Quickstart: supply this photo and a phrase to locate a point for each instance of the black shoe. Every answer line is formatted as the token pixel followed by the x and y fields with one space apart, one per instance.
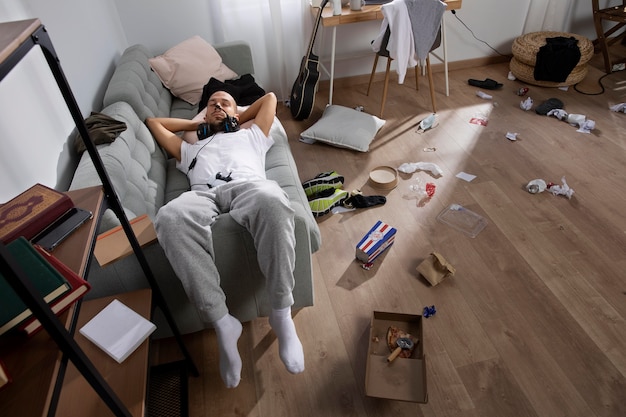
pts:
pixel 487 84
pixel 549 104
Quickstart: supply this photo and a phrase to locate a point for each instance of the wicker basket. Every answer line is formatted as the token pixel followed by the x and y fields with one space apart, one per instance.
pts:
pixel 526 73
pixel 525 47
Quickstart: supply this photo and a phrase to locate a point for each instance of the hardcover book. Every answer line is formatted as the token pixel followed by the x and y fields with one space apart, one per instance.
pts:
pixel 31 211
pixel 48 281
pixel 79 287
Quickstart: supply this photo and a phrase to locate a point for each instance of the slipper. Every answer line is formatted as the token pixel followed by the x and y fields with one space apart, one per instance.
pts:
pixel 549 104
pixel 488 84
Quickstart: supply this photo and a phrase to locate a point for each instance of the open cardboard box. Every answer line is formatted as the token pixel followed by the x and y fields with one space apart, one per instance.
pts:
pixel 404 378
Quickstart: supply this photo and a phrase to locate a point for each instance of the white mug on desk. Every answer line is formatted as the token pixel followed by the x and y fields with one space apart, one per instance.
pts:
pixel 356 4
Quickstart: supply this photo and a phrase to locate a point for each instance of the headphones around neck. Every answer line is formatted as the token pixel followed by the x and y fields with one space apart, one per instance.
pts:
pixel 230 124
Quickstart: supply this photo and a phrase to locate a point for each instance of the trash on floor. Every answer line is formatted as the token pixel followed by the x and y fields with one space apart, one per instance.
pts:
pixel 621 107
pixel 403 379
pixel 435 268
pixel 465 176
pixel 526 104
pixel 484 96
pixel 584 125
pixel 427 123
pixel 562 189
pixel 479 119
pixel 462 219
pixel 411 167
pixel 580 120
pixel 420 192
pixel 559 114
pixel 512 136
pixel 379 238
pixel 522 91
pixel 538 186
pixel 429 311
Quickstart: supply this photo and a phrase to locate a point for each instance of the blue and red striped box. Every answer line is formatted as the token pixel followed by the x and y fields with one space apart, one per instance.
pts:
pixel 379 238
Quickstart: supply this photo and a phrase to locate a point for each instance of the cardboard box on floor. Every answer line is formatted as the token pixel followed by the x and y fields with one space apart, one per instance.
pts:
pixel 113 244
pixel 404 378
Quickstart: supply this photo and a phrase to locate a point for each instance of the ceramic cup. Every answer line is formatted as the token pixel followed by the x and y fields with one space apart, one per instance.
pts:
pixel 356 4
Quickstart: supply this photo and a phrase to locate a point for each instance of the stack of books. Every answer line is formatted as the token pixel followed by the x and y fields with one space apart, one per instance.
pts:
pixel 58 285
pixel 23 219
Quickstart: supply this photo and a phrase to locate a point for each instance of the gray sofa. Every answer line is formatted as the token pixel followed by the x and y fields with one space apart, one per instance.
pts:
pixel 145 179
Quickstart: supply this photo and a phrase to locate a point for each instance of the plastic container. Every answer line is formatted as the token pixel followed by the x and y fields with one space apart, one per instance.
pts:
pixel 463 220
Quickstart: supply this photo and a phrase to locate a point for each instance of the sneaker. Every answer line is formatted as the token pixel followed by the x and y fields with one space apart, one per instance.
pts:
pixel 323 181
pixel 322 206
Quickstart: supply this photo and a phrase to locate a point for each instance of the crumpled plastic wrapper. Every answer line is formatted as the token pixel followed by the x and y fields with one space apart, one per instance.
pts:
pixel 411 167
pixel 563 189
pixel 512 136
pixel 580 120
pixel 526 104
pixel 621 107
pixel 427 123
pixel 559 114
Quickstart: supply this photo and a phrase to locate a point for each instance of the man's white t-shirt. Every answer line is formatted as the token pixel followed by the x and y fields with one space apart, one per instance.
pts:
pixel 240 154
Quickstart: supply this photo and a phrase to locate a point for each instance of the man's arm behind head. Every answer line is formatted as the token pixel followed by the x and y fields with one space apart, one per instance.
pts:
pixel 262 111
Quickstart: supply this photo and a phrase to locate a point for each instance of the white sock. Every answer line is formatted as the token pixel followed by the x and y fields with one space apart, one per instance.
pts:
pixel 228 330
pixel 289 346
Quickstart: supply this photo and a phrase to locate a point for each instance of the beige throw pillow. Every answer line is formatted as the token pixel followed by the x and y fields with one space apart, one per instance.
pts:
pixel 185 68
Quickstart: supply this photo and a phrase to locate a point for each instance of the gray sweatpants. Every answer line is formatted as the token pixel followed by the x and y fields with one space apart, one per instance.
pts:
pixel 183 228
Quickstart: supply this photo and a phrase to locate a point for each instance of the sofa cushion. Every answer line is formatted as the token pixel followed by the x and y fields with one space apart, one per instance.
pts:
pixel 135 165
pixel 135 83
pixel 185 68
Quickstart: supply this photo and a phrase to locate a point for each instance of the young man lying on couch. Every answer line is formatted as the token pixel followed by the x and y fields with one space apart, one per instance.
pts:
pixel 226 170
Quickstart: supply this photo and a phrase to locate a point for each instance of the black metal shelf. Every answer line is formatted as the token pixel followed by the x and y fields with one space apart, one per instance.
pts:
pixel 24 35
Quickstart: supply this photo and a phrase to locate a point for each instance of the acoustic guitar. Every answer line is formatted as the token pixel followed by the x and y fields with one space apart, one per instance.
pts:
pixel 304 88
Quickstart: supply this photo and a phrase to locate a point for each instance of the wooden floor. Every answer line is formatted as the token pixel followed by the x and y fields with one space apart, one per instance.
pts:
pixel 534 321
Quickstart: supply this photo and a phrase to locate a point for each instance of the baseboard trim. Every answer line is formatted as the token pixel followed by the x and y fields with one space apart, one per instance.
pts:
pixel 436 68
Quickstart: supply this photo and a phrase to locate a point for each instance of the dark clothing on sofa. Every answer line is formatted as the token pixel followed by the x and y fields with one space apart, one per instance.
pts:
pixel 244 90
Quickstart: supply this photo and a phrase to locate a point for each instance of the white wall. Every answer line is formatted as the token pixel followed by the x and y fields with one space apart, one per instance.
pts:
pixel 89 36
pixel 34 122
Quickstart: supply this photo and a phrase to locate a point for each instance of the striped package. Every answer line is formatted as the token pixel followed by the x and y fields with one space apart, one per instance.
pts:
pixel 379 238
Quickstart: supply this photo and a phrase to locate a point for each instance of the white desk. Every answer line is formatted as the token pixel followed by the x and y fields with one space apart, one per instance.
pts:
pixel 368 13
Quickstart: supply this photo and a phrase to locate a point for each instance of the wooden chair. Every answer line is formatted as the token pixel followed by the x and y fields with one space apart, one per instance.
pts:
pixel 615 14
pixel 384 52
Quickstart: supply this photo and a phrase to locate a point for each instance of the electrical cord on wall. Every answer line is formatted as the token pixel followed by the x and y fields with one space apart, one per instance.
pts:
pixel 470 31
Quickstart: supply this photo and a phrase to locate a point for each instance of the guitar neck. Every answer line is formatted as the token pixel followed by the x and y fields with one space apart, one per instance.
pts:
pixel 315 27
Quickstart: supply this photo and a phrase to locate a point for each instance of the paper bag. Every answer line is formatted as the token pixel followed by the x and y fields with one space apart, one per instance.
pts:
pixel 435 268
